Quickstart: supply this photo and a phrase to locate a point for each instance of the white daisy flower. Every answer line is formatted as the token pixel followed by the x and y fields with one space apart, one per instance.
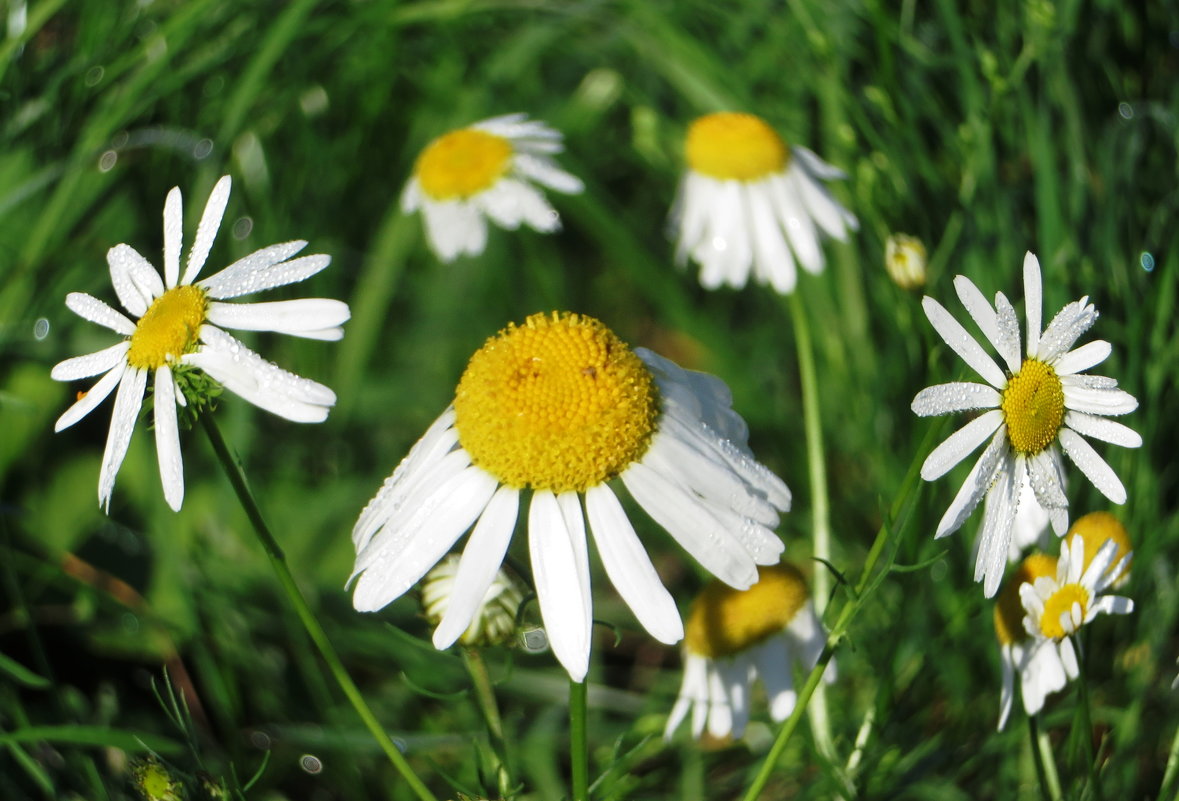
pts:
pixel 1041 404
pixel 494 621
pixel 560 406
pixel 749 202
pixel 178 326
pixel 488 170
pixel 1097 528
pixel 736 637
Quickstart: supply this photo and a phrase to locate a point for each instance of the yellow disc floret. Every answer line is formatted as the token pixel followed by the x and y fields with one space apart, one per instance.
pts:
pixel 1059 603
pixel 725 621
pixel 1033 407
pixel 462 163
pixel 1097 527
pixel 735 147
pixel 169 328
pixel 1008 607
pixel 559 403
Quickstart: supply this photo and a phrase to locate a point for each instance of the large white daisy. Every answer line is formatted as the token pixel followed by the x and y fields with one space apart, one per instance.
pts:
pixel 749 203
pixel 557 407
pixel 487 170
pixel 177 326
pixel 1038 406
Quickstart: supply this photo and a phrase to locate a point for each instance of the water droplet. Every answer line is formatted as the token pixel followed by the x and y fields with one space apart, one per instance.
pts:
pixel 41 329
pixel 107 161
pixel 1146 259
pixel 1126 110
pixel 310 763
pixel 94 75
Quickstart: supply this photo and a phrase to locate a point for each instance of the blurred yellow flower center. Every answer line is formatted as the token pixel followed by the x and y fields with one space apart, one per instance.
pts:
pixel 169 328
pixel 1009 608
pixel 1033 407
pixel 734 147
pixel 1059 603
pixel 1095 529
pixel 462 163
pixel 725 621
pixel 558 403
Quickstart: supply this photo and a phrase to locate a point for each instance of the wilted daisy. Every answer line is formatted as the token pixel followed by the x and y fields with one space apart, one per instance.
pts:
pixel 1036 407
pixel 488 170
pixel 1040 670
pixel 559 406
pixel 734 638
pixel 494 621
pixel 749 201
pixel 178 329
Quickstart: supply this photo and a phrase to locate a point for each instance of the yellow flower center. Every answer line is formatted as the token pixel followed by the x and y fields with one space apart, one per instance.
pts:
pixel 1033 407
pixel 725 621
pixel 1095 529
pixel 169 328
pixel 1057 604
pixel 1009 608
pixel 558 403
pixel 735 147
pixel 462 163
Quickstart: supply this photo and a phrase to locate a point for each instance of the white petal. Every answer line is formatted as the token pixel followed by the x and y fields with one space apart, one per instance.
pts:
pixel 1112 605
pixel 173 227
pixel 207 229
pixel 958 396
pixel 1092 465
pixel 1007 691
pixel 1068 658
pixel 264 269
pixel 90 364
pixel 1066 327
pixel 720 712
pixel 560 568
pixel 629 568
pixel 411 196
pixel 960 444
pixel 168 438
pixel 545 172
pixel 735 676
pixel 981 312
pixel 1008 344
pixel 998 520
pixel 796 222
pixel 776 670
pixel 963 343
pixel 1033 300
pixel 128 401
pixel 482 556
pixel 1088 355
pixel 822 206
pixel 136 282
pixel 693 695
pixel 1103 429
pixel 296 317
pixel 454 227
pixel 91 308
pixel 1095 399
pixel 1046 480
pixel 772 262
pixel 97 394
pixel 510 202
pixel 975 485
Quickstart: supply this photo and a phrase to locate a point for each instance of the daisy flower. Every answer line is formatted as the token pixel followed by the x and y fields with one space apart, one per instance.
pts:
pixel 178 327
pixel 559 406
pixel 1096 528
pixel 494 621
pixel 750 202
pixel 735 637
pixel 488 170
pixel 1040 405
pixel 905 260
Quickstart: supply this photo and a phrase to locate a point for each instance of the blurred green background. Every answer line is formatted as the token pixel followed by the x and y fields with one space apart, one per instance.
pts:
pixel 985 129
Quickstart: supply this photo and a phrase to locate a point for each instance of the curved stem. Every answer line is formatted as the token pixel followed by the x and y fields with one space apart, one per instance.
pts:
pixel 485 695
pixel 578 744
pixel 314 630
pixel 1042 758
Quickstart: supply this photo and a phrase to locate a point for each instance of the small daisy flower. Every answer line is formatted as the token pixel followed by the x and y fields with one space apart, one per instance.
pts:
pixel 905 260
pixel 178 328
pixel 557 407
pixel 1037 407
pixel 494 622
pixel 735 637
pixel 488 170
pixel 1039 676
pixel 750 202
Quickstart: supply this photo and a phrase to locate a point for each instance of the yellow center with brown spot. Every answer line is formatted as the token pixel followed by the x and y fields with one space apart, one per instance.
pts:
pixel 1009 610
pixel 735 147
pixel 558 403
pixel 462 163
pixel 725 621
pixel 1033 407
pixel 1058 604
pixel 169 328
pixel 1095 529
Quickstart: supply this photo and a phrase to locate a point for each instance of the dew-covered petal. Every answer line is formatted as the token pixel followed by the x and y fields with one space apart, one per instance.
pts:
pixel 998 521
pixel 1008 344
pixel 264 269
pixel 1033 300
pixel 207 229
pixel 135 281
pixel 1089 395
pixel 168 439
pixel 960 444
pixel 90 364
pixel 1092 465
pixel 957 396
pixel 977 482
pixel 1088 355
pixel 981 312
pixel 1045 480
pixel 963 343
pixel 295 317
pixel 1103 429
pixel 1066 327
pixel 128 401
pixel 173 233
pixel 91 308
pixel 97 394
pixel 560 568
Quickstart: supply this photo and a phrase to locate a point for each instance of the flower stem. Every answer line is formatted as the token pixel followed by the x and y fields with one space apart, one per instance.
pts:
pixel 1045 764
pixel 578 745
pixel 1085 730
pixel 315 631
pixel 485 695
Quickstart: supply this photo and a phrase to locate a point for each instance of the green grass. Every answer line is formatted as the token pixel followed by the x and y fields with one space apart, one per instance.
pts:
pixel 987 131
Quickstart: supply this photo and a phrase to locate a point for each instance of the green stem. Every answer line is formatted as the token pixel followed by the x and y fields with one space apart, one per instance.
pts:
pixel 1086 727
pixel 314 630
pixel 1172 769
pixel 485 696
pixel 578 745
pixel 1045 764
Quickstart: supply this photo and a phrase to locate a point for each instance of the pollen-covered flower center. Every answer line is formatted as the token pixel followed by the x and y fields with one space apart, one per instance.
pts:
pixel 558 403
pixel 169 328
pixel 1059 604
pixel 731 146
pixel 725 621
pixel 1009 611
pixel 1033 407
pixel 1096 528
pixel 462 163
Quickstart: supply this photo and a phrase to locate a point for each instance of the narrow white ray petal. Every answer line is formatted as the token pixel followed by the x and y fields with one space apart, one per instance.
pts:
pixel 998 520
pixel 816 166
pixel 957 396
pixel 97 394
pixel 449 227
pixel 1007 691
pixel 1045 480
pixel 1068 658
pixel 629 568
pixel 168 438
pixel 128 401
pixel 264 269
pixel 91 308
pixel 1092 465
pixel 975 485
pixel 1113 605
pixel 1094 399
pixel 981 312
pixel 735 676
pixel 560 568
pixel 1099 565
pixel 531 206
pixel 1103 429
pixel 545 172
pixel 690 214
pixel 282 316
pixel 481 558
pixel 775 668
pixel 828 212
pixel 90 364
pixel 1033 301
pixel 131 276
pixel 1008 344
pixel 720 709
pixel 207 229
pixel 963 343
pixel 411 196
pixel 173 228
pixel 960 444
pixel 773 262
pixel 1066 327
pixel 796 223
pixel 1088 355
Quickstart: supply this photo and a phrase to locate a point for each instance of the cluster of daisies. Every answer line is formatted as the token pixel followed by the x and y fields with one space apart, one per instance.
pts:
pixel 556 416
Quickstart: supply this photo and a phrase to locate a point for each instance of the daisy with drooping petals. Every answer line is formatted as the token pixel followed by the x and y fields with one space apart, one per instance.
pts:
pixel 1040 405
pixel 751 203
pixel 178 328
pixel 559 406
pixel 487 170
pixel 1040 670
pixel 735 637
pixel 494 621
